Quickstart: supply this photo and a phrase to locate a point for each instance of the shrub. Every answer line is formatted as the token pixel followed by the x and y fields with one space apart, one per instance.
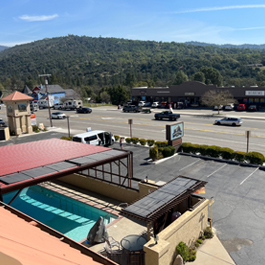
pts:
pixel 186 147
pixel 197 244
pixel 153 153
pixel 199 241
pixel 255 158
pixel 158 143
pixel 142 141
pixel 117 137
pixel 194 148
pixel 45 130
pixel 240 156
pixel 150 142
pixel 35 128
pixel 168 151
pixel 128 140
pixel 203 149
pixel 213 151
pixel 164 143
pixel 135 140
pixel 66 138
pixel 208 233
pixel 227 153
pixel 185 252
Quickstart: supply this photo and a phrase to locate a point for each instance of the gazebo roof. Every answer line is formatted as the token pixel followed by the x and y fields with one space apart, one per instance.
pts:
pixel 16 96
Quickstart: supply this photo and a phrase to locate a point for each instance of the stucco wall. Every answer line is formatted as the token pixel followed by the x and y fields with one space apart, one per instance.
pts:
pixel 108 189
pixel 186 228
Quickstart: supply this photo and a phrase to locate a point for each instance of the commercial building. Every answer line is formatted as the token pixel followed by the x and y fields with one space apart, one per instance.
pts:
pixel 192 91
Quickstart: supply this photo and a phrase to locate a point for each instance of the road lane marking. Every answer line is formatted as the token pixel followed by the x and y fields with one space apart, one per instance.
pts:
pixel 249 175
pixel 216 170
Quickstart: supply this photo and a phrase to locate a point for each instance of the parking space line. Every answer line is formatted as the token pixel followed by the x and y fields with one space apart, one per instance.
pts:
pixel 216 170
pixel 249 175
pixel 189 165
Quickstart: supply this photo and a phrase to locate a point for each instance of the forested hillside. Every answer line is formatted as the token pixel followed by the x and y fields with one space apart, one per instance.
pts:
pixel 90 64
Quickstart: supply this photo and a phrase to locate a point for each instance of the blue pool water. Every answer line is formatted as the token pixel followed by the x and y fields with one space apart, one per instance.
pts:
pixel 68 216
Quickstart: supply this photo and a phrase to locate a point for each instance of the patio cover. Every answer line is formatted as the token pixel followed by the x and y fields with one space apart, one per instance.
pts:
pixel 27 164
pixel 155 204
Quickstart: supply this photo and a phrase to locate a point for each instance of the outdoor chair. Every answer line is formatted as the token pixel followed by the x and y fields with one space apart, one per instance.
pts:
pixel 111 245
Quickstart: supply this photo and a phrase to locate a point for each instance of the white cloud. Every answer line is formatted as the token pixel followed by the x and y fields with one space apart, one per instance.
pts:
pixel 217 8
pixel 37 18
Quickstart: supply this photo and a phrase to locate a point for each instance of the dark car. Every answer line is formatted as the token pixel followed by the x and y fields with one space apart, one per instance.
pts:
pixel 252 108
pixel 131 108
pixel 2 123
pixel 83 110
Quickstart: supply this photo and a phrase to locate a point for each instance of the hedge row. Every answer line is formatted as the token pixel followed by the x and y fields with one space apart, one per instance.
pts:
pixel 223 152
pixel 136 140
pixel 161 152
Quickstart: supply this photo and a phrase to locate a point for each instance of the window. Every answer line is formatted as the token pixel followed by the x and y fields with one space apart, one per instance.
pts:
pixel 91 138
pixel 77 139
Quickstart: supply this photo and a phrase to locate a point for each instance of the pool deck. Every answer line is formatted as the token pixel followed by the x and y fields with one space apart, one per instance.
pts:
pixel 118 228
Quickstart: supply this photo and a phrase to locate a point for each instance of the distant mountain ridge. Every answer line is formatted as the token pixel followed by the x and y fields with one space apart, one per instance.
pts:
pixel 243 46
pixel 3 48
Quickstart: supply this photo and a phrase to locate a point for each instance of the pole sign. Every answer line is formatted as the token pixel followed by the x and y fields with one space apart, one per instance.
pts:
pixel 130 121
pixel 175 131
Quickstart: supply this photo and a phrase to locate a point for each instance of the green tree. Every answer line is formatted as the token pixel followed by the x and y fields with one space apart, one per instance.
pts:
pixel 199 76
pixel 181 77
pixel 118 95
pixel 105 97
pixel 212 76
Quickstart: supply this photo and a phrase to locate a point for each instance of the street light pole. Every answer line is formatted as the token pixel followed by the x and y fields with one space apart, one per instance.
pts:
pixel 46 83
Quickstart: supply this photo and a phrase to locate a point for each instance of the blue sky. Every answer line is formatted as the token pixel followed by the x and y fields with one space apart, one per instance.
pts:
pixel 219 22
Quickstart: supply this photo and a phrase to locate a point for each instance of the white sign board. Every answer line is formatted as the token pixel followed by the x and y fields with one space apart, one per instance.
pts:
pixel 255 93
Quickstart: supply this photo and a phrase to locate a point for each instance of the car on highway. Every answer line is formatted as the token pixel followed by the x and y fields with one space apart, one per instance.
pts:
pixel 167 115
pixel 241 107
pixel 131 108
pixel 83 110
pixel 58 115
pixel 252 108
pixel 233 121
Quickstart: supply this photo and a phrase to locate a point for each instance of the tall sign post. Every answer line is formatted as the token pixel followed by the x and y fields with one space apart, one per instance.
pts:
pixel 174 134
pixel 46 83
pixel 247 135
pixel 130 121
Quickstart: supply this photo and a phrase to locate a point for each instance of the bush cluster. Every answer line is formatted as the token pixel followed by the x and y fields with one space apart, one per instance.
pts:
pixel 223 152
pixel 67 138
pixel 208 232
pixel 117 137
pixel 185 252
pixel 135 140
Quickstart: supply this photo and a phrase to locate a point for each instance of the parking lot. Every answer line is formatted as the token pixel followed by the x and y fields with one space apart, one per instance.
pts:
pixel 239 200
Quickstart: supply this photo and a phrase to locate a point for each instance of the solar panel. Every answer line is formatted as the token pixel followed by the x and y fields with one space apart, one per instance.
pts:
pixel 14 178
pixel 38 172
pixel 161 197
pixel 82 160
pixel 61 166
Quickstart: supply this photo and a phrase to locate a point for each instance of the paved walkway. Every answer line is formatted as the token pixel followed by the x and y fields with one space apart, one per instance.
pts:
pixel 212 252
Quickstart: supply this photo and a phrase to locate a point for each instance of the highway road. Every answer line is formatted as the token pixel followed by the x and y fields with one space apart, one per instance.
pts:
pixel 197 128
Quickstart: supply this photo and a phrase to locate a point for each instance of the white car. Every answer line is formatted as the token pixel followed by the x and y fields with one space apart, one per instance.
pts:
pixel 155 104
pixel 218 107
pixel 141 103
pixel 229 107
pixel 58 115
pixel 234 121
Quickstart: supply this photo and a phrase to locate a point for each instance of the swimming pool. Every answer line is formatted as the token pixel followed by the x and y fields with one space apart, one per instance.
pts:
pixel 66 215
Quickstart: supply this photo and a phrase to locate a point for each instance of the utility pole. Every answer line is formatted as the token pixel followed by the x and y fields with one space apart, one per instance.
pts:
pixel 46 83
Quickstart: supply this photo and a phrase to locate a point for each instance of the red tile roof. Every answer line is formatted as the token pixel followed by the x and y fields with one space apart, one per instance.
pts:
pixel 16 96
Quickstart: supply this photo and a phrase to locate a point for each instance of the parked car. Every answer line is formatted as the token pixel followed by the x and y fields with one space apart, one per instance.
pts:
pixel 167 115
pixel 147 104
pixel 131 108
pixel 58 115
pixel 229 107
pixel 141 103
pixel 252 108
pixel 233 121
pixel 58 106
pixel 241 107
pixel 218 107
pixel 163 104
pixel 155 104
pixel 83 110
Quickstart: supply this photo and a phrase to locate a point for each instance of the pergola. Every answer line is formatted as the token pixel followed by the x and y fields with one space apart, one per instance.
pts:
pixel 158 203
pixel 28 164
